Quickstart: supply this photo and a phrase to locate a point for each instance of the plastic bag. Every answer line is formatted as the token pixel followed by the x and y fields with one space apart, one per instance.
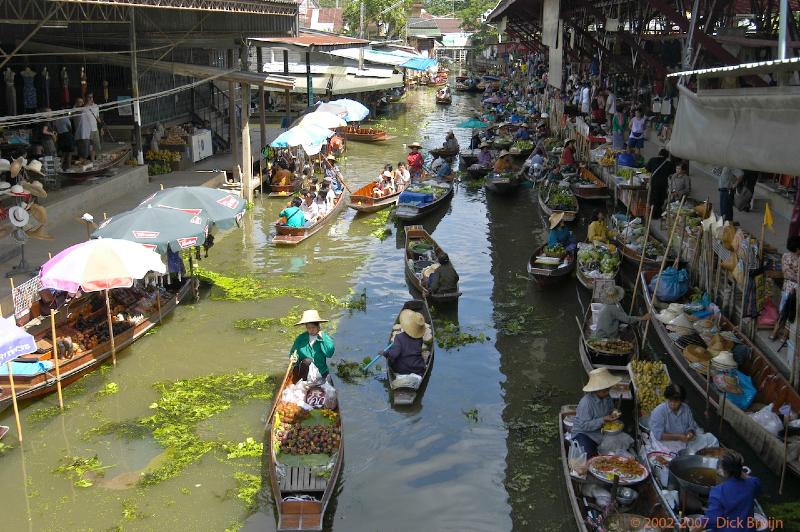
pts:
pixel 313 374
pixel 768 315
pixel 745 399
pixel 673 285
pixel 768 419
pixel 330 396
pixel 577 459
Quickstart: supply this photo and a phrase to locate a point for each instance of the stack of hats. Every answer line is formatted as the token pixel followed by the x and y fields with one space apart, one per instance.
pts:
pixel 723 368
pixel 698 358
pixel 719 344
pixel 670 313
pixel 681 325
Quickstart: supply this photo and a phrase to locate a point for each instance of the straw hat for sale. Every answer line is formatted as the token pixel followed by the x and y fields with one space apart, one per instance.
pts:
pixel 17 190
pixel 415 145
pixel 16 166
pixel 503 153
pixel 695 353
pixel 555 219
pixel 38 212
pixel 34 188
pixel 601 379
pixel 34 166
pixel 719 344
pixel 666 315
pixel 310 316
pixel 5 186
pixel 412 323
pixel 612 294
pixel 724 360
pixel 5 165
pixel 40 233
pixel 18 216
pixel 681 325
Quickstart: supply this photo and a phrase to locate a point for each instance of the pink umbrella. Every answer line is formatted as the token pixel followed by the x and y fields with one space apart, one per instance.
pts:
pixel 100 264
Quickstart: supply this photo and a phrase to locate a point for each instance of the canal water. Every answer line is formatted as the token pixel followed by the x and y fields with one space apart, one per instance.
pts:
pixel 479 452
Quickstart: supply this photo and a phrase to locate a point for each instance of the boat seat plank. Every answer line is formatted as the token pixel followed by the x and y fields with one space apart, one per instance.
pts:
pixel 301 479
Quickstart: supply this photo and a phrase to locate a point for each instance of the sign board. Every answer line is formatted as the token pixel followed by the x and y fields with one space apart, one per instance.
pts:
pixel 556 71
pixel 550 23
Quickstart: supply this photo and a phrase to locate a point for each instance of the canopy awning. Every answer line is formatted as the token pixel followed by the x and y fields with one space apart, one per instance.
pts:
pixel 351 84
pixel 419 63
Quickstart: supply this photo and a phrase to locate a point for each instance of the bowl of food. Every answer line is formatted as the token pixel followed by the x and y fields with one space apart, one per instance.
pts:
pixel 613 427
pixel 626 496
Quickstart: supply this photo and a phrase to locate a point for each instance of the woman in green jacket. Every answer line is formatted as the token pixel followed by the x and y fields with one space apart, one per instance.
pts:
pixel 311 346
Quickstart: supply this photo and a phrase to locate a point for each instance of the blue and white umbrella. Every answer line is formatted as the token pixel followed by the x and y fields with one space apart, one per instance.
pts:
pixel 302 135
pixel 356 111
pixel 14 341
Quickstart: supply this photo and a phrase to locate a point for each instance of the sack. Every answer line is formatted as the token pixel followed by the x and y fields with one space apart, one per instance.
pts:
pixel 768 419
pixel 330 396
pixel 577 459
pixel 745 399
pixel 768 316
pixel 673 285
pixel 742 199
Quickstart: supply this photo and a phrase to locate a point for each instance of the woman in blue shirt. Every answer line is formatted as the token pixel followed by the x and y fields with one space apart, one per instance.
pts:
pixel 292 215
pixel 559 234
pixel 731 503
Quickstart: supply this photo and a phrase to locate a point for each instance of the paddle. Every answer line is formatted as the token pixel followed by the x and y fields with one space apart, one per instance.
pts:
pixel 340 177
pixel 375 359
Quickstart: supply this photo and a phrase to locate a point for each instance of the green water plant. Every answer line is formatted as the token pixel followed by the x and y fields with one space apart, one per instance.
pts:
pixel 248 487
pixel 130 511
pixel 379 221
pixel 4 448
pixel 248 447
pixel 128 430
pixel 472 415
pixel 76 468
pixel 109 389
pixel 450 336
pixel 352 372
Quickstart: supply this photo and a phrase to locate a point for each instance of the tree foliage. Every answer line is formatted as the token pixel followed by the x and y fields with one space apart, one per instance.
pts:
pixel 382 18
pixel 472 21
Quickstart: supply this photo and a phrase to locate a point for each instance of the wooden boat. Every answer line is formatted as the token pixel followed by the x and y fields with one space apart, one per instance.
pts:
pixel 647 505
pixel 469 157
pixel 595 189
pixel 546 274
pixel 583 277
pixel 478 172
pixel 436 152
pixel 280 191
pixel 106 161
pixel 410 212
pixel 42 382
pixel 569 215
pixel 633 257
pixel 416 262
pixel 502 183
pixel 772 387
pixel 362 134
pixel 406 395
pixel 446 99
pixel 617 364
pixel 364 201
pixel 292 236
pixel 301 495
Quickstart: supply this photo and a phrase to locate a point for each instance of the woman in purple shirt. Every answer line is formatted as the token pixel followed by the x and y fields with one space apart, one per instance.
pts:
pixel 731 502
pixel 405 354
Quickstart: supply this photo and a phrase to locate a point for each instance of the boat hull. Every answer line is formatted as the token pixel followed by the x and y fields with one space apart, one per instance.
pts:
pixel 292 236
pixel 416 232
pixel 406 396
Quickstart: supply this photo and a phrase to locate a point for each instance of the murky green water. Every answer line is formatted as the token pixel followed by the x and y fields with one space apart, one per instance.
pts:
pixel 479 452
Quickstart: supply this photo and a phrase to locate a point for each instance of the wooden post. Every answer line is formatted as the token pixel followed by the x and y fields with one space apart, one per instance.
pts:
pixel 641 261
pixel 247 159
pixel 745 284
pixel 660 270
pixel 722 409
pixel 158 303
pixel 55 358
pixel 14 400
pixel 111 330
pixel 262 105
pixel 234 133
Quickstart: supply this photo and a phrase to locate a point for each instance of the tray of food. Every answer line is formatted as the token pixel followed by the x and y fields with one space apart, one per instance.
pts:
pixel 612 427
pixel 628 469
pixel 610 347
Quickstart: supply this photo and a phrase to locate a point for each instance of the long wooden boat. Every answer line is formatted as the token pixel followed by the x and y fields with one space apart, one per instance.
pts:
pixel 632 256
pixel 362 134
pixel 478 172
pixel 301 493
pixel 588 282
pixel 415 263
pixel 444 100
pixel 280 191
pixel 364 201
pixel 772 387
pixel 444 152
pixel 411 212
pixel 292 236
pixel 595 189
pixel 617 364
pixel 407 395
pixel 43 381
pixel 106 162
pixel 569 215
pixel 469 157
pixel 502 184
pixel 646 506
pixel 547 275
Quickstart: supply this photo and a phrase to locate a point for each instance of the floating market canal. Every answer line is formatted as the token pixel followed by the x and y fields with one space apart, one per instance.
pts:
pixel 171 438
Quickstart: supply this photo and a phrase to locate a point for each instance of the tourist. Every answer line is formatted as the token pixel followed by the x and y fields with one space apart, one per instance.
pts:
pixel 611 107
pixel 330 195
pixel 731 503
pixel 586 99
pixel 66 140
pixel 611 317
pixel 450 143
pixel 321 199
pixel 388 179
pixel 790 270
pixel 292 216
pixel 309 208
pixel 82 130
pixel 619 125
pixel 594 409
pixel 485 157
pixel 313 346
pixel 415 160
pixel 444 279
pixel 637 126
pixel 661 169
pixel 93 115
pixel 726 184
pixel 598 230
pixel 672 426
pixel 680 183
pixel 559 233
pixel 402 177
pixel 404 356
pixel 503 163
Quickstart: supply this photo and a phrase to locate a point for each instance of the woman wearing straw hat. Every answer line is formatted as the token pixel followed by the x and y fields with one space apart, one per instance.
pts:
pixel 595 408
pixel 415 160
pixel 610 316
pixel 559 234
pixel 503 163
pixel 404 356
pixel 672 425
pixel 311 346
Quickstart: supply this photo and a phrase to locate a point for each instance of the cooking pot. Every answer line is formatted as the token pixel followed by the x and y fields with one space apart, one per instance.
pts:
pixel 695 473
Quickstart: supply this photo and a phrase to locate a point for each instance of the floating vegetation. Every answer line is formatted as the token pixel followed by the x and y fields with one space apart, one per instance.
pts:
pixel 130 511
pixel 471 415
pixel 152 330
pixel 5 448
pixel 248 486
pixel 450 336
pixel 353 372
pixel 234 526
pixel 379 221
pixel 249 447
pixel 355 302
pixel 49 412
pixel 75 468
pixel 109 389
pixel 263 324
pixel 516 322
pixel 128 430
pixel 788 513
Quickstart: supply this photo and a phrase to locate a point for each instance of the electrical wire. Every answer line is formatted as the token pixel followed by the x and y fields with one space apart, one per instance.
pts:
pixel 98 52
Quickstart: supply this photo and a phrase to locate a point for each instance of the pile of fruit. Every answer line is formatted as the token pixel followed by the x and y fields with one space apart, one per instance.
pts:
pixel 626 173
pixel 314 439
pixel 562 199
pixel 175 137
pixel 437 192
pixel 598 258
pixel 609 158
pixel 556 251
pixel 165 156
pixel 290 412
pixel 523 145
pixel 650 379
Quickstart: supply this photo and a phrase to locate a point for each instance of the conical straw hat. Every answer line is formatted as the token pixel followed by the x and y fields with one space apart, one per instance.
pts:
pixel 310 316
pixel 601 379
pixel 412 323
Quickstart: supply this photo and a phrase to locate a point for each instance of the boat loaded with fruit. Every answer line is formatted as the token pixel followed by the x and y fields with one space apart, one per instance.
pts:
pixel 553 199
pixel 551 264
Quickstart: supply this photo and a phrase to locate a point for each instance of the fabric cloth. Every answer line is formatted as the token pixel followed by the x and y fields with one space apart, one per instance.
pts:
pixel 444 170
pixel 310 211
pixel 598 230
pixel 567 157
pixel 405 355
pixel 559 235
pixel 294 216
pixel 680 185
pixel 589 416
pixel 790 266
pixel 28 89
pixel 485 158
pixel 444 279
pixel 318 349
pixel 609 319
pixel 664 419
pixel 731 504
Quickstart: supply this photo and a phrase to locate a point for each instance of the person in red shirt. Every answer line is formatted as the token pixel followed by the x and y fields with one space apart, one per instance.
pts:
pixel 415 160
pixel 568 155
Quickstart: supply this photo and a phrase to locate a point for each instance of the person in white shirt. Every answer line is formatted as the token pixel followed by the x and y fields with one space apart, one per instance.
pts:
pixel 330 195
pixel 82 129
pixel 93 111
pixel 611 106
pixel 437 163
pixel 321 201
pixel 402 177
pixel 310 209
pixel 585 99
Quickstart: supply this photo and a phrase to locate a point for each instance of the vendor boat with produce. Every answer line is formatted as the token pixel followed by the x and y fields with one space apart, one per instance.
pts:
pixel 304 432
pixel 409 357
pixel 724 366
pixel 420 199
pixel 588 187
pixel 555 260
pixel 428 268
pixel 444 96
pixel 554 198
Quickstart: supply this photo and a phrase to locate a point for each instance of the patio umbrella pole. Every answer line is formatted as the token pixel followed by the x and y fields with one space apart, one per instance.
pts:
pixel 14 400
pixel 55 358
pixel 111 330
pixel 158 303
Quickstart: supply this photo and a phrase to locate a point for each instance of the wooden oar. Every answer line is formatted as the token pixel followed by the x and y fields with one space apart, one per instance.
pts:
pixel 641 261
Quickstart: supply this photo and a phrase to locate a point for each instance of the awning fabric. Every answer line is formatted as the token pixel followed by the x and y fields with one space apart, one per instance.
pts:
pixel 319 83
pixel 352 84
pixel 419 63
pixel 746 128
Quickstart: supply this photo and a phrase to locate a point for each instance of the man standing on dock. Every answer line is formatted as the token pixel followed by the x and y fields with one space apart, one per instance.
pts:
pixel 726 183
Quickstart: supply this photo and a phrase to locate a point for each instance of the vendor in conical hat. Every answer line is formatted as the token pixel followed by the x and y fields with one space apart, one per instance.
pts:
pixel 313 346
pixel 595 408
pixel 611 316
pixel 559 232
pixel 405 354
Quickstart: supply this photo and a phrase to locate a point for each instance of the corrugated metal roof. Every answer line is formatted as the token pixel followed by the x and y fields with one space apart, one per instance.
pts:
pixel 319 42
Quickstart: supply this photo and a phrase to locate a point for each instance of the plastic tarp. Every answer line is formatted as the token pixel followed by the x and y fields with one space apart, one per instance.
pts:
pixel 415 198
pixel 419 63
pixel 746 128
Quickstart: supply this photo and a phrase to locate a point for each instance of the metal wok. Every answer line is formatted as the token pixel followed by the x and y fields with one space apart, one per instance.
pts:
pixel 695 473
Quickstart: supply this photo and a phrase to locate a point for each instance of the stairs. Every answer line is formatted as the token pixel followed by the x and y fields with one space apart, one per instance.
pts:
pixel 212 104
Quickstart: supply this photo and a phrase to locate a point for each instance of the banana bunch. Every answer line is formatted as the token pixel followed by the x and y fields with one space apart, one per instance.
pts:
pixel 650 380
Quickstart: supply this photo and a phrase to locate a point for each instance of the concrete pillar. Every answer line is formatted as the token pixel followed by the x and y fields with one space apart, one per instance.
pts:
pixel 287 94
pixel 234 130
pixel 261 100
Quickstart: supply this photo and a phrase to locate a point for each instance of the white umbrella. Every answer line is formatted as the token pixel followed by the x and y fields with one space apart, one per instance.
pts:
pixel 323 119
pixel 356 111
pixel 338 110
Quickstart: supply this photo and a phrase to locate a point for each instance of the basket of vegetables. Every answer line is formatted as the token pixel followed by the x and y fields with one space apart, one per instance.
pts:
pixel 562 199
pixel 558 251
